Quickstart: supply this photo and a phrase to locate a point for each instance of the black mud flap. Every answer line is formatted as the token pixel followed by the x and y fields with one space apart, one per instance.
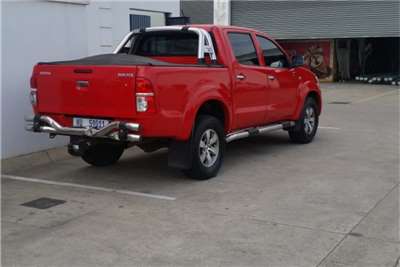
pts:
pixel 180 154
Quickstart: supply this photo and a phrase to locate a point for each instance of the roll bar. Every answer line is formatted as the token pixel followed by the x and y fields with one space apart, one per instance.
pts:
pixel 205 41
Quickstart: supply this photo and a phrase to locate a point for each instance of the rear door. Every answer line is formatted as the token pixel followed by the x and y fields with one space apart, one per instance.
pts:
pixel 249 91
pixel 282 81
pixel 92 91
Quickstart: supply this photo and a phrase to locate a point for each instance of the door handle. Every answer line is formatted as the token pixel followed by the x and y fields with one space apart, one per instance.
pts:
pixel 271 78
pixel 240 77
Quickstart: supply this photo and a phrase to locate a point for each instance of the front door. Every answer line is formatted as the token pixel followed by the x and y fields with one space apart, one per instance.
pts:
pixel 249 90
pixel 282 82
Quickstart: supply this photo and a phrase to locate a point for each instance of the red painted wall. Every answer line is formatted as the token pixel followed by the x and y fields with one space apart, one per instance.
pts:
pixel 317 55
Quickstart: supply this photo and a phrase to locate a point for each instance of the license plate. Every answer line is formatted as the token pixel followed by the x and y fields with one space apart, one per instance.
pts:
pixel 90 123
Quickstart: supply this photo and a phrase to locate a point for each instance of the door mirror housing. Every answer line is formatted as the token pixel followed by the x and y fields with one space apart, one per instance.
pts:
pixel 297 61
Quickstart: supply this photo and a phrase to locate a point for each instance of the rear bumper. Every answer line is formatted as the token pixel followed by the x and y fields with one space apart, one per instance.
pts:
pixel 116 130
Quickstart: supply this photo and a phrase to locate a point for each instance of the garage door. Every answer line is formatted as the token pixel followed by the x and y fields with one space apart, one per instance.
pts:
pixel 318 19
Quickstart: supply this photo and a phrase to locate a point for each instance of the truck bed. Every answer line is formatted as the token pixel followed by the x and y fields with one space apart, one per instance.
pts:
pixel 123 60
pixel 111 59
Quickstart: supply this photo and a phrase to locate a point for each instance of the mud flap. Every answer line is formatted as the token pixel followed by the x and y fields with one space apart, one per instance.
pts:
pixel 180 154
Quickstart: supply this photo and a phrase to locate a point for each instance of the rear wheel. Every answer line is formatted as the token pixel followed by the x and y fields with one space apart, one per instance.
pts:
pixel 103 154
pixel 208 145
pixel 306 127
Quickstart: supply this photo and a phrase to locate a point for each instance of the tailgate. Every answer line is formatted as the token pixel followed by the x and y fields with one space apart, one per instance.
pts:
pixel 94 91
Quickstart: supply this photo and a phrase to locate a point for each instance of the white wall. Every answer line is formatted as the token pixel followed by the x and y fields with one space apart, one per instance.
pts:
pixel 222 12
pixel 109 21
pixel 33 32
pixel 39 30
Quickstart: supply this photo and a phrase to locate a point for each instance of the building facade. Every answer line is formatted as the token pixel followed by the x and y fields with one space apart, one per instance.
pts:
pixel 49 30
pixel 339 39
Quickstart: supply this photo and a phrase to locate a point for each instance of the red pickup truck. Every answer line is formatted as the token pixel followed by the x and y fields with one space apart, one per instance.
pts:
pixel 190 88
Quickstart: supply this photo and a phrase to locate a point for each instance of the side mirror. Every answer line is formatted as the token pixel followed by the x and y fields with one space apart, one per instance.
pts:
pixel 297 61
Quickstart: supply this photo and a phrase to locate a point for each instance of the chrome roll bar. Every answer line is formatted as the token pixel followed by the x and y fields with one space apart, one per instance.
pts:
pixel 205 41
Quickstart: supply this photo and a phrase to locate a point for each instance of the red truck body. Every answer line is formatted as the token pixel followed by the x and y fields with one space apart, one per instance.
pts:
pixel 247 95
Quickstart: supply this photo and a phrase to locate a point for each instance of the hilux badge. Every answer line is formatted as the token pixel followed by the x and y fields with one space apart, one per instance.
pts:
pixel 122 74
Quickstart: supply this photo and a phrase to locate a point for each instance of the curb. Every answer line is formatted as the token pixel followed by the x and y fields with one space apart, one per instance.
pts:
pixel 34 159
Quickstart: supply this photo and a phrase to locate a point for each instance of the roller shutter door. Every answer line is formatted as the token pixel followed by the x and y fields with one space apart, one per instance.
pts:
pixel 319 19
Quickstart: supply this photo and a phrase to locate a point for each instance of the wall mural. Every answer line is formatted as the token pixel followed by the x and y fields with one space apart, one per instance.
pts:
pixel 317 56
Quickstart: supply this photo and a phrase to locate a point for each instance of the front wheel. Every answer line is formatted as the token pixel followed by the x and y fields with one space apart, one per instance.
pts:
pixel 306 127
pixel 103 154
pixel 208 146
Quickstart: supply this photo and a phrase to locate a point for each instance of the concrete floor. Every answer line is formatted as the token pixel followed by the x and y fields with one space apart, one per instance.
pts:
pixel 334 202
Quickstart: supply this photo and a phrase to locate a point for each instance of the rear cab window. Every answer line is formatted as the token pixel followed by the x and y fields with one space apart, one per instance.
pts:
pixel 167 44
pixel 179 47
pixel 243 48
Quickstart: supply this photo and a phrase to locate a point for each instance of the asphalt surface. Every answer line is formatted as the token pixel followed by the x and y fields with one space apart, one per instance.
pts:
pixel 334 202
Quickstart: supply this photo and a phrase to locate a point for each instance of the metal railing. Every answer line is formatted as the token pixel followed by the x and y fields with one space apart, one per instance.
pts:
pixel 205 41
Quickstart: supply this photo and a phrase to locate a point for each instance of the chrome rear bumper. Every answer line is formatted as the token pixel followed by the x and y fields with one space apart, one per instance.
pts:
pixel 116 130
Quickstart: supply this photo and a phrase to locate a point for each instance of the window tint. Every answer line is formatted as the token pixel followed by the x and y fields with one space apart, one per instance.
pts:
pixel 243 48
pixel 273 56
pixel 168 44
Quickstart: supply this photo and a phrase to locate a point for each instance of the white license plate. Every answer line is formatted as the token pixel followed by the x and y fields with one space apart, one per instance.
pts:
pixel 90 123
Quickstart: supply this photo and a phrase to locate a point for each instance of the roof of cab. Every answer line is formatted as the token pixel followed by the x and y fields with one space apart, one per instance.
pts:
pixel 209 27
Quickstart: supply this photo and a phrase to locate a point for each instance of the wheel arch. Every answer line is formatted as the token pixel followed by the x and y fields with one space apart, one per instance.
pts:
pixel 304 95
pixel 214 106
pixel 317 97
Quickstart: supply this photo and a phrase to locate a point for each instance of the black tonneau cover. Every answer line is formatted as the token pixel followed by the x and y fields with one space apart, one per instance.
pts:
pixel 112 59
pixel 123 60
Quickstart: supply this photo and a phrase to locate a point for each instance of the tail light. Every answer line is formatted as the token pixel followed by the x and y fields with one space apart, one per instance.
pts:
pixel 145 101
pixel 33 97
pixel 33 94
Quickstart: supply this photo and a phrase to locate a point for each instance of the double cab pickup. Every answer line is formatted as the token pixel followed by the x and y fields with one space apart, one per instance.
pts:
pixel 191 88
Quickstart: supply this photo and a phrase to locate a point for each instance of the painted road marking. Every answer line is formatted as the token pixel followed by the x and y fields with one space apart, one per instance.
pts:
pixel 374 97
pixel 96 188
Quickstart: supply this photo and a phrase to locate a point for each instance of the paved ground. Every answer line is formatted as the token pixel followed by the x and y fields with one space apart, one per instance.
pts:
pixel 334 202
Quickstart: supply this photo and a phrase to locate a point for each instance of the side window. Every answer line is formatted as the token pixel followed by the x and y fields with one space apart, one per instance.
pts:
pixel 243 48
pixel 273 56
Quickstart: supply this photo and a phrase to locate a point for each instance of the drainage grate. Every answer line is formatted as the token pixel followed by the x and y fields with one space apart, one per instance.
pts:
pixel 340 102
pixel 43 203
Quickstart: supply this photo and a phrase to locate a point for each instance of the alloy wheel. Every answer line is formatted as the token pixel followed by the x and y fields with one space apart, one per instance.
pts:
pixel 309 120
pixel 209 148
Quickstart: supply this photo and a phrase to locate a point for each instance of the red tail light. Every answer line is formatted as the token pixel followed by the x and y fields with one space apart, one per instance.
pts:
pixel 145 98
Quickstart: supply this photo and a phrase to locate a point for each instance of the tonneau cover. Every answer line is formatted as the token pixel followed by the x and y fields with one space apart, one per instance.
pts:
pixel 112 59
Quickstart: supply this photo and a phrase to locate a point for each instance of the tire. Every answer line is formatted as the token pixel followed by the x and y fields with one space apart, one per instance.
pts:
pixel 103 154
pixel 306 127
pixel 208 148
